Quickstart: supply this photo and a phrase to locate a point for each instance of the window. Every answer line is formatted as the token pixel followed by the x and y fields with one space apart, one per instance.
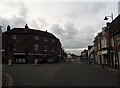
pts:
pixel 36 47
pixel 98 46
pixel 118 40
pixel 45 48
pixel 53 49
pixel 14 37
pixel 103 43
pixel 14 47
pixel 112 42
pixel 45 39
pixel 36 38
pixel 53 41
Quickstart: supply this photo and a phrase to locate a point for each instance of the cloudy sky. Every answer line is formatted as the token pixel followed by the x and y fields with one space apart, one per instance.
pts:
pixel 74 22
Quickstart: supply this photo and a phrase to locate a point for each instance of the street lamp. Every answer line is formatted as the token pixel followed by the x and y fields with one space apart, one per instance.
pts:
pixel 106 17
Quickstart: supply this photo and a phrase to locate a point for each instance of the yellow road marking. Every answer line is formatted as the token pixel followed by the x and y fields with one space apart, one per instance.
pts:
pixel 10 83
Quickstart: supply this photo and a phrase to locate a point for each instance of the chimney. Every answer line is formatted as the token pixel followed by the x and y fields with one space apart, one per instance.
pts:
pixel 108 24
pixel 8 28
pixel 26 26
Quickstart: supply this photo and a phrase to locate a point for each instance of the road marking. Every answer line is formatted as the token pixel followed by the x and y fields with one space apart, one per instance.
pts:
pixel 10 83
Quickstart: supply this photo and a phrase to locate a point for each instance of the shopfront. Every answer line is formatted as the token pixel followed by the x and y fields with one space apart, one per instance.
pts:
pixel 19 58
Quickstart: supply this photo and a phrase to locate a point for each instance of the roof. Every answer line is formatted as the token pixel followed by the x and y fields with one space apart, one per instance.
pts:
pixel 30 31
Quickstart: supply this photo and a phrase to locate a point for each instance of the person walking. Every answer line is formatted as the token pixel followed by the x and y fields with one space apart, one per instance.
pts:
pixel 36 61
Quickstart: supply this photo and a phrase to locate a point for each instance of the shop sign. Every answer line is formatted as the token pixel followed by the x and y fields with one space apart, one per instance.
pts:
pixel 104 52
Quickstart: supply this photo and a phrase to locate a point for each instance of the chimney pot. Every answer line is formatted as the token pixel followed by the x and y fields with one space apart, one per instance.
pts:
pixel 8 28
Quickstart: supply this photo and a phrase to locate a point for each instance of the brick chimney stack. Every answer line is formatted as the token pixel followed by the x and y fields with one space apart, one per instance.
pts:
pixel 8 28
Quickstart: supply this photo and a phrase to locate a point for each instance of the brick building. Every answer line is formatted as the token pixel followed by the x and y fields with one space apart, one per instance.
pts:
pixel 102 46
pixel 84 56
pixel 91 57
pixel 97 48
pixel 115 42
pixel 107 44
pixel 24 45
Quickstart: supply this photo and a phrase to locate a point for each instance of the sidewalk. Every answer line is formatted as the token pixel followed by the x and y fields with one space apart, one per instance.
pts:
pixel 111 70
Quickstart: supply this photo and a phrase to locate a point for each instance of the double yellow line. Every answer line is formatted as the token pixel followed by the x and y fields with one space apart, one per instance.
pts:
pixel 10 80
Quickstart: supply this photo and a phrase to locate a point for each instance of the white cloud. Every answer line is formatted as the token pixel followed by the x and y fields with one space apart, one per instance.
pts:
pixel 75 23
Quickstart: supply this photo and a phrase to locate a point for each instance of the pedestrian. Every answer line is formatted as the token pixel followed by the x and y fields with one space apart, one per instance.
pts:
pixel 36 61
pixel 10 62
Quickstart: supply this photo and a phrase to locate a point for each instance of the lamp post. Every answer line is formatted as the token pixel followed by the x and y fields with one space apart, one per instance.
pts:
pixel 106 17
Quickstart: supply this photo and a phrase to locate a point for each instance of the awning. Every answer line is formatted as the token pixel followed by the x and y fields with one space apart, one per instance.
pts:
pixel 19 53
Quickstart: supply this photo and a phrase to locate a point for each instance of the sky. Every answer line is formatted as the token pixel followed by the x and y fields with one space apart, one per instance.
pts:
pixel 74 22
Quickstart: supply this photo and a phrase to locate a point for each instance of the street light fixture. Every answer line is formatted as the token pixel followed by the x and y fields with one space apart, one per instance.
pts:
pixel 106 17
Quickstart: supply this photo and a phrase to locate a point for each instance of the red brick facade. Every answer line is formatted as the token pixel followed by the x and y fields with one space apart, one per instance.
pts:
pixel 28 44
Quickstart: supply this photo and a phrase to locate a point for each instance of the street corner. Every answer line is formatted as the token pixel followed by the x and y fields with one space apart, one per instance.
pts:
pixel 7 80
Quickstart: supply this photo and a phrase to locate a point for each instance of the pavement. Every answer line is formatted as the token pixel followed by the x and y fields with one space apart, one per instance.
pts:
pixel 111 70
pixel 70 73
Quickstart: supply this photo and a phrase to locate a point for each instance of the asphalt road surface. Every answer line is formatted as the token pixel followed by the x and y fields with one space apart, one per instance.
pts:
pixel 70 73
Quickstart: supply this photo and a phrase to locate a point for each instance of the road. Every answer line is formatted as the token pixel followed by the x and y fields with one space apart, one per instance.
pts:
pixel 70 73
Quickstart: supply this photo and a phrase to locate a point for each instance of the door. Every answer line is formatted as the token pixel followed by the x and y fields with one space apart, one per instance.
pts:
pixel 119 59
